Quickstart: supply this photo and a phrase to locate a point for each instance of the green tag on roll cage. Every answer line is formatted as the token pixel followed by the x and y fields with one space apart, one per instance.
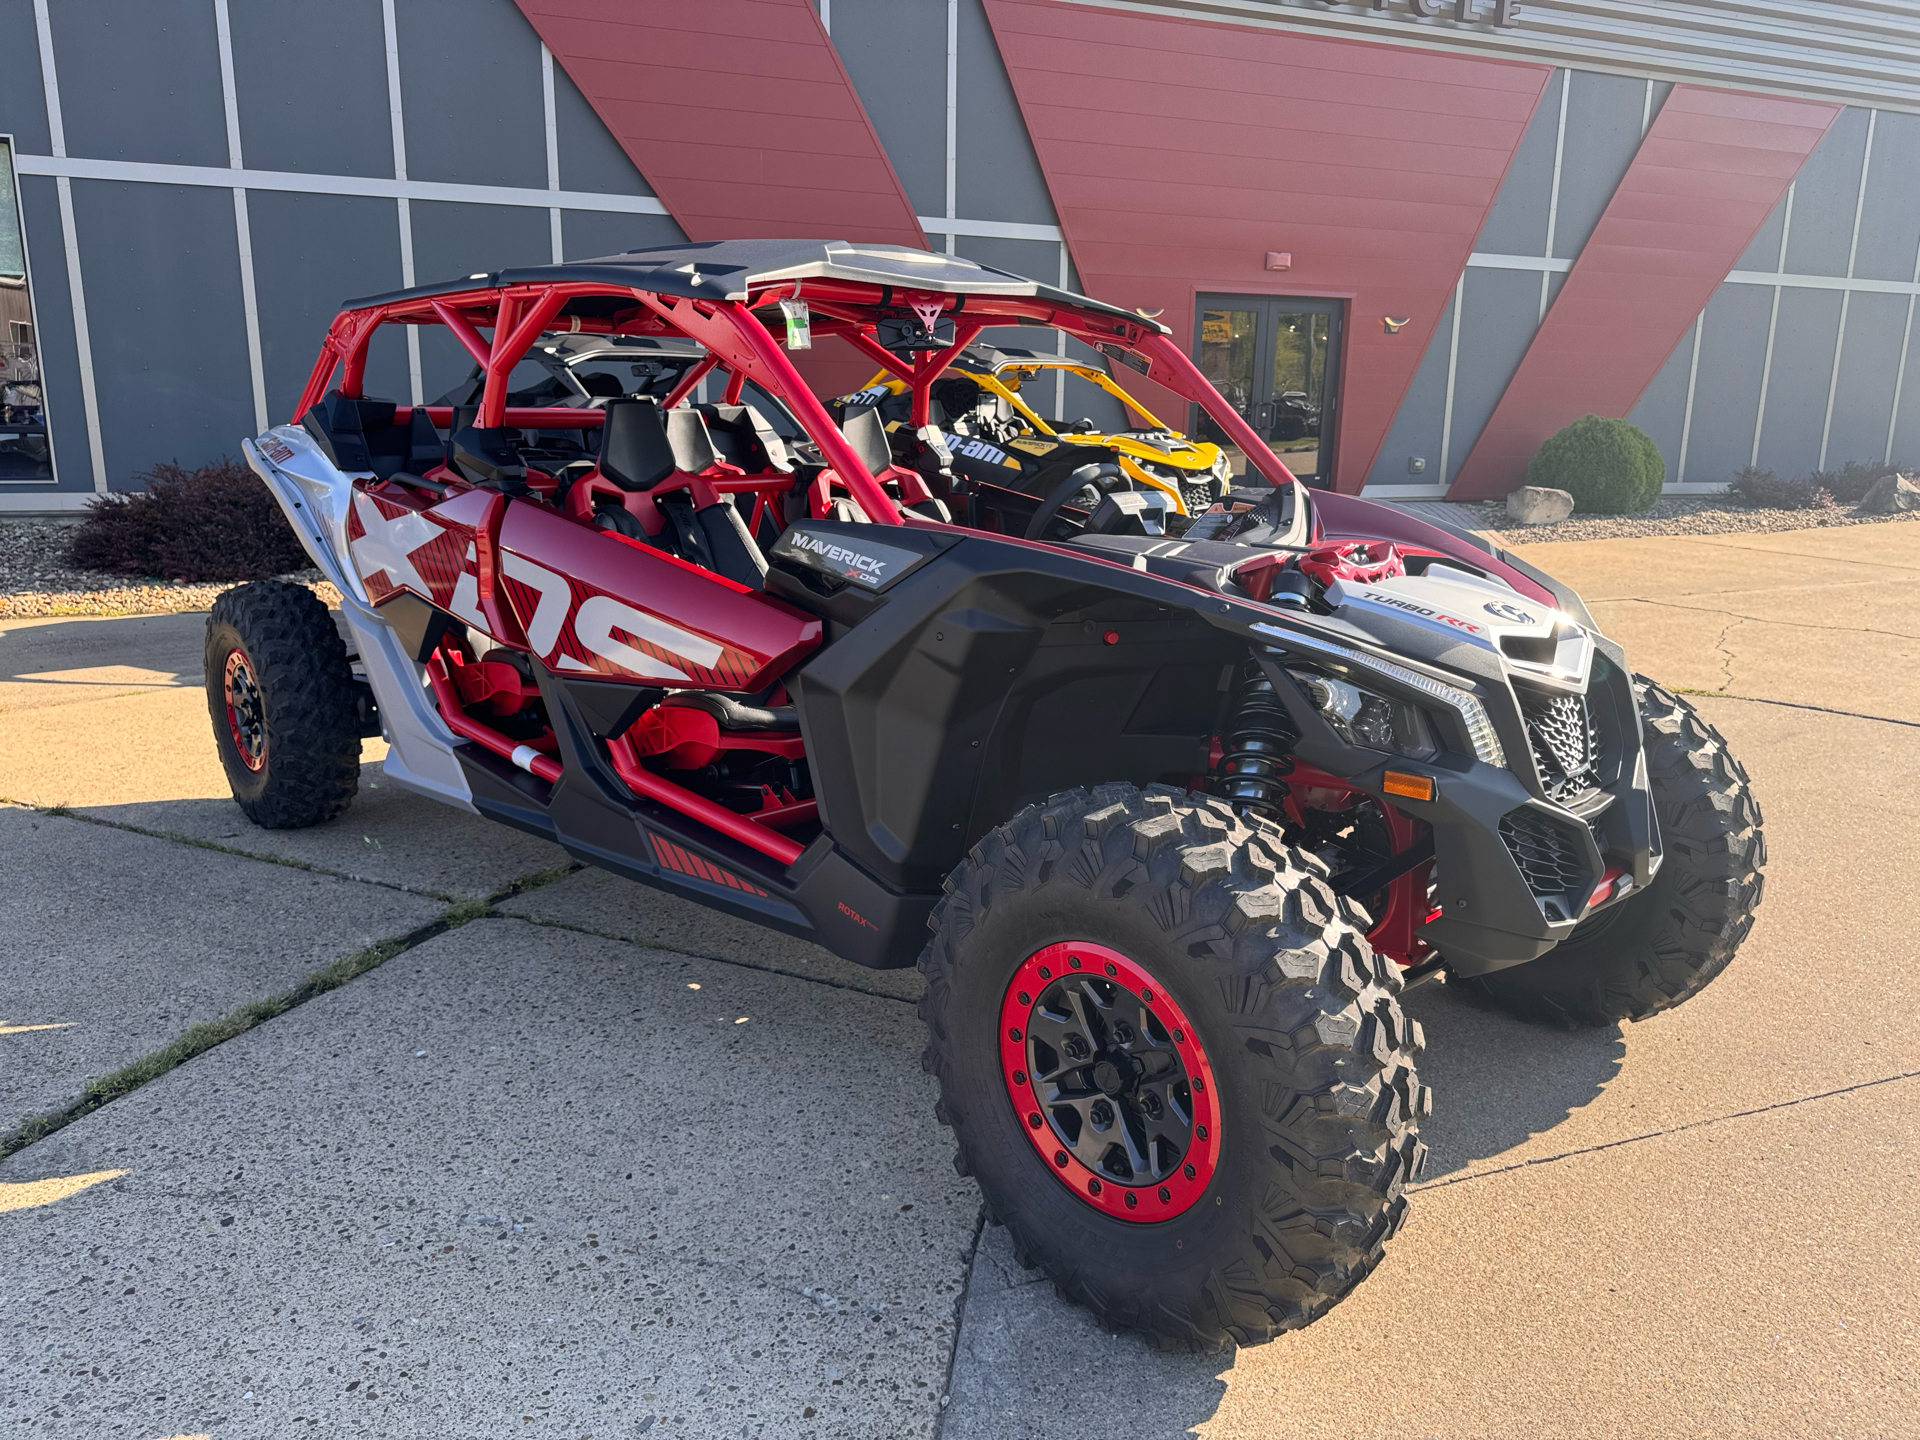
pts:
pixel 799 324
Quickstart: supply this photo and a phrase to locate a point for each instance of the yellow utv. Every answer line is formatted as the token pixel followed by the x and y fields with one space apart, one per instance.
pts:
pixel 998 439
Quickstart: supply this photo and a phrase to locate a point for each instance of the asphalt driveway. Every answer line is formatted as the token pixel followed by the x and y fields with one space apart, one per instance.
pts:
pixel 574 1158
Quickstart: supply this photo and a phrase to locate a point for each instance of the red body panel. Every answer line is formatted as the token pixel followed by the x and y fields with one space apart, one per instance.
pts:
pixel 1706 177
pixel 633 613
pixel 1180 148
pixel 738 112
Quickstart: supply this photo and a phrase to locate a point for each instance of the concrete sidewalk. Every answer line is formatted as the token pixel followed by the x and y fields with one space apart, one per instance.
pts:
pixel 595 1161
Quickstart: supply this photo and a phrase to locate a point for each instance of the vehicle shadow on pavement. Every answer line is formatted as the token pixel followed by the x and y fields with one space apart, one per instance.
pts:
pixel 1498 1081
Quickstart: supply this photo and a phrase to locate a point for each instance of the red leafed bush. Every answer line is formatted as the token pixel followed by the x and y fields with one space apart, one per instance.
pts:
pixel 214 523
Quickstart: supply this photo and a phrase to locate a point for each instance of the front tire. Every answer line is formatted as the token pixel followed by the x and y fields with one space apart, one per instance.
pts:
pixel 1662 946
pixel 1225 943
pixel 280 692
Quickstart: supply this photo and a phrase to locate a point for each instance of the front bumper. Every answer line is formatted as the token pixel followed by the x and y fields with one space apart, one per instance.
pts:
pixel 1515 871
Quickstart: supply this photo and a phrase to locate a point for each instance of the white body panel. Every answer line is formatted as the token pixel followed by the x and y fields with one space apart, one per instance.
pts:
pixel 316 498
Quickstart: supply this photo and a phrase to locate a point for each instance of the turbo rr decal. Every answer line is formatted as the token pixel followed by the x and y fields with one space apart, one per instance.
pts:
pixel 570 626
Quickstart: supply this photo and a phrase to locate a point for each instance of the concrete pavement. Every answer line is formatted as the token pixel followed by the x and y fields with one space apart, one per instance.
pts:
pixel 1697 1225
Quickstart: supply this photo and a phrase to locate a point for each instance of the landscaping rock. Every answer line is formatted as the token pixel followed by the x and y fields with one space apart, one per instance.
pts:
pixel 1890 495
pixel 1537 505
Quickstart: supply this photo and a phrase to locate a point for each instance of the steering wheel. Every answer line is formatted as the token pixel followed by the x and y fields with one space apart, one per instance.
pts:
pixel 1103 476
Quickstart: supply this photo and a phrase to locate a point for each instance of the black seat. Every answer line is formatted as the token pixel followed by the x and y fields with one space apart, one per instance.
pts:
pixel 692 446
pixel 743 437
pixel 736 714
pixel 635 453
pixel 866 432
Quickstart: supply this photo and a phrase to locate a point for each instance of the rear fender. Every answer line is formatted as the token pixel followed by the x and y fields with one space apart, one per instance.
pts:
pixel 315 498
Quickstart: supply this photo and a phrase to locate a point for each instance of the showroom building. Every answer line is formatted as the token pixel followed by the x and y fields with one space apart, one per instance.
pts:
pixel 1410 238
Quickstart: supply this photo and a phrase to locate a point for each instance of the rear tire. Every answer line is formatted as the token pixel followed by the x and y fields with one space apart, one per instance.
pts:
pixel 1662 946
pixel 1311 1058
pixel 281 695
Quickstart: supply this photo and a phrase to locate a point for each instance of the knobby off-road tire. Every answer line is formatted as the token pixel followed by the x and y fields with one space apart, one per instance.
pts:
pixel 1312 1059
pixel 280 693
pixel 1662 946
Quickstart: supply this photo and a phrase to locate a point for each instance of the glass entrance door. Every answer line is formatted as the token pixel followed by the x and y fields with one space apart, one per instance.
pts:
pixel 1276 359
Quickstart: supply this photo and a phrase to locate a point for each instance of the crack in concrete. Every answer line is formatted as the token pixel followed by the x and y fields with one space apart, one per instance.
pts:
pixel 959 1318
pixel 1768 620
pixel 1668 1130
pixel 197 1040
pixel 1795 705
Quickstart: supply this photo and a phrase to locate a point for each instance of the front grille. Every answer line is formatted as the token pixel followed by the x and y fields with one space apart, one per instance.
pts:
pixel 1565 744
pixel 1547 855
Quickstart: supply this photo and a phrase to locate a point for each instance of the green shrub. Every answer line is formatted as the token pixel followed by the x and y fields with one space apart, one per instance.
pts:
pixel 1609 466
pixel 215 523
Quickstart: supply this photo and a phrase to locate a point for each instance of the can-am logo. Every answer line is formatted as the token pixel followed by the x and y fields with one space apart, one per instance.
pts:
pixel 1502 14
pixel 1503 611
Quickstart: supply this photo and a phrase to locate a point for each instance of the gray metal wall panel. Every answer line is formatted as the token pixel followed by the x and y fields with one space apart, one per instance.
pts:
pixel 1416 426
pixel 1517 223
pixel 470 85
pixel 53 329
pixel 896 56
pixel 1662 410
pixel 1498 316
pixel 139 81
pixel 1890 220
pixel 1603 134
pixel 1906 430
pixel 1824 196
pixel 310 253
pixel 1661 89
pixel 162 272
pixel 452 240
pixel 1733 348
pixel 585 234
pixel 23 105
pixel 1797 389
pixel 996 174
pixel 590 158
pixel 311 85
pixel 1869 358
pixel 1763 251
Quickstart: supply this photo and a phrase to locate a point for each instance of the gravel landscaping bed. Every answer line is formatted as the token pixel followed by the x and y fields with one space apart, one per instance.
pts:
pixel 36 580
pixel 1669 515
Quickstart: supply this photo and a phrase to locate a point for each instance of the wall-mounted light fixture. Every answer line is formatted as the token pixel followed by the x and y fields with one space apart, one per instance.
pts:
pixel 1393 326
pixel 1279 260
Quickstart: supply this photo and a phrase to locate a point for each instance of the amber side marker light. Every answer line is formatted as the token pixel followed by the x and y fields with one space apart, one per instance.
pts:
pixel 1414 787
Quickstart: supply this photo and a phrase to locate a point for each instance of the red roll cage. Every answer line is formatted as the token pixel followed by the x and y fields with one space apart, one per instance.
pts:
pixel 741 347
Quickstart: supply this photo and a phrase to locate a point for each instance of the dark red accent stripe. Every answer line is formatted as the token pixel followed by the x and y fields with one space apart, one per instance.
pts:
pixel 1179 152
pixel 738 112
pixel 1706 177
pixel 683 862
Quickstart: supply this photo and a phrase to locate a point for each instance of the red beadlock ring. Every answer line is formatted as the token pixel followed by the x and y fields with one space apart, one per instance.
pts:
pixel 246 711
pixel 1188 1180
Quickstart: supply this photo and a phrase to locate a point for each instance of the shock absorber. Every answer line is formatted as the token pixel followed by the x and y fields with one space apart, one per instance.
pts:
pixel 1256 745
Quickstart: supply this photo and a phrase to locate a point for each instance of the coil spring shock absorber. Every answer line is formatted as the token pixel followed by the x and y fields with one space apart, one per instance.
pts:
pixel 1256 745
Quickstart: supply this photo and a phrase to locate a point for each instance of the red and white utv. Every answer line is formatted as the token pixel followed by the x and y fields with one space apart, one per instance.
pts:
pixel 1167 808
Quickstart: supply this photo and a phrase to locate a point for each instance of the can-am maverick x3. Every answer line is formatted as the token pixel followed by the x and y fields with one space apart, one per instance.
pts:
pixel 1181 811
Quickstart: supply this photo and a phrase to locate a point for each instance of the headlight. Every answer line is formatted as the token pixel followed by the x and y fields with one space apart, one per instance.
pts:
pixel 1361 717
pixel 1473 715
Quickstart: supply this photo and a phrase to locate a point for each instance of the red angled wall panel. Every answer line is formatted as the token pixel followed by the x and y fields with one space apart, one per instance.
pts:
pixel 738 112
pixel 1179 152
pixel 1704 180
